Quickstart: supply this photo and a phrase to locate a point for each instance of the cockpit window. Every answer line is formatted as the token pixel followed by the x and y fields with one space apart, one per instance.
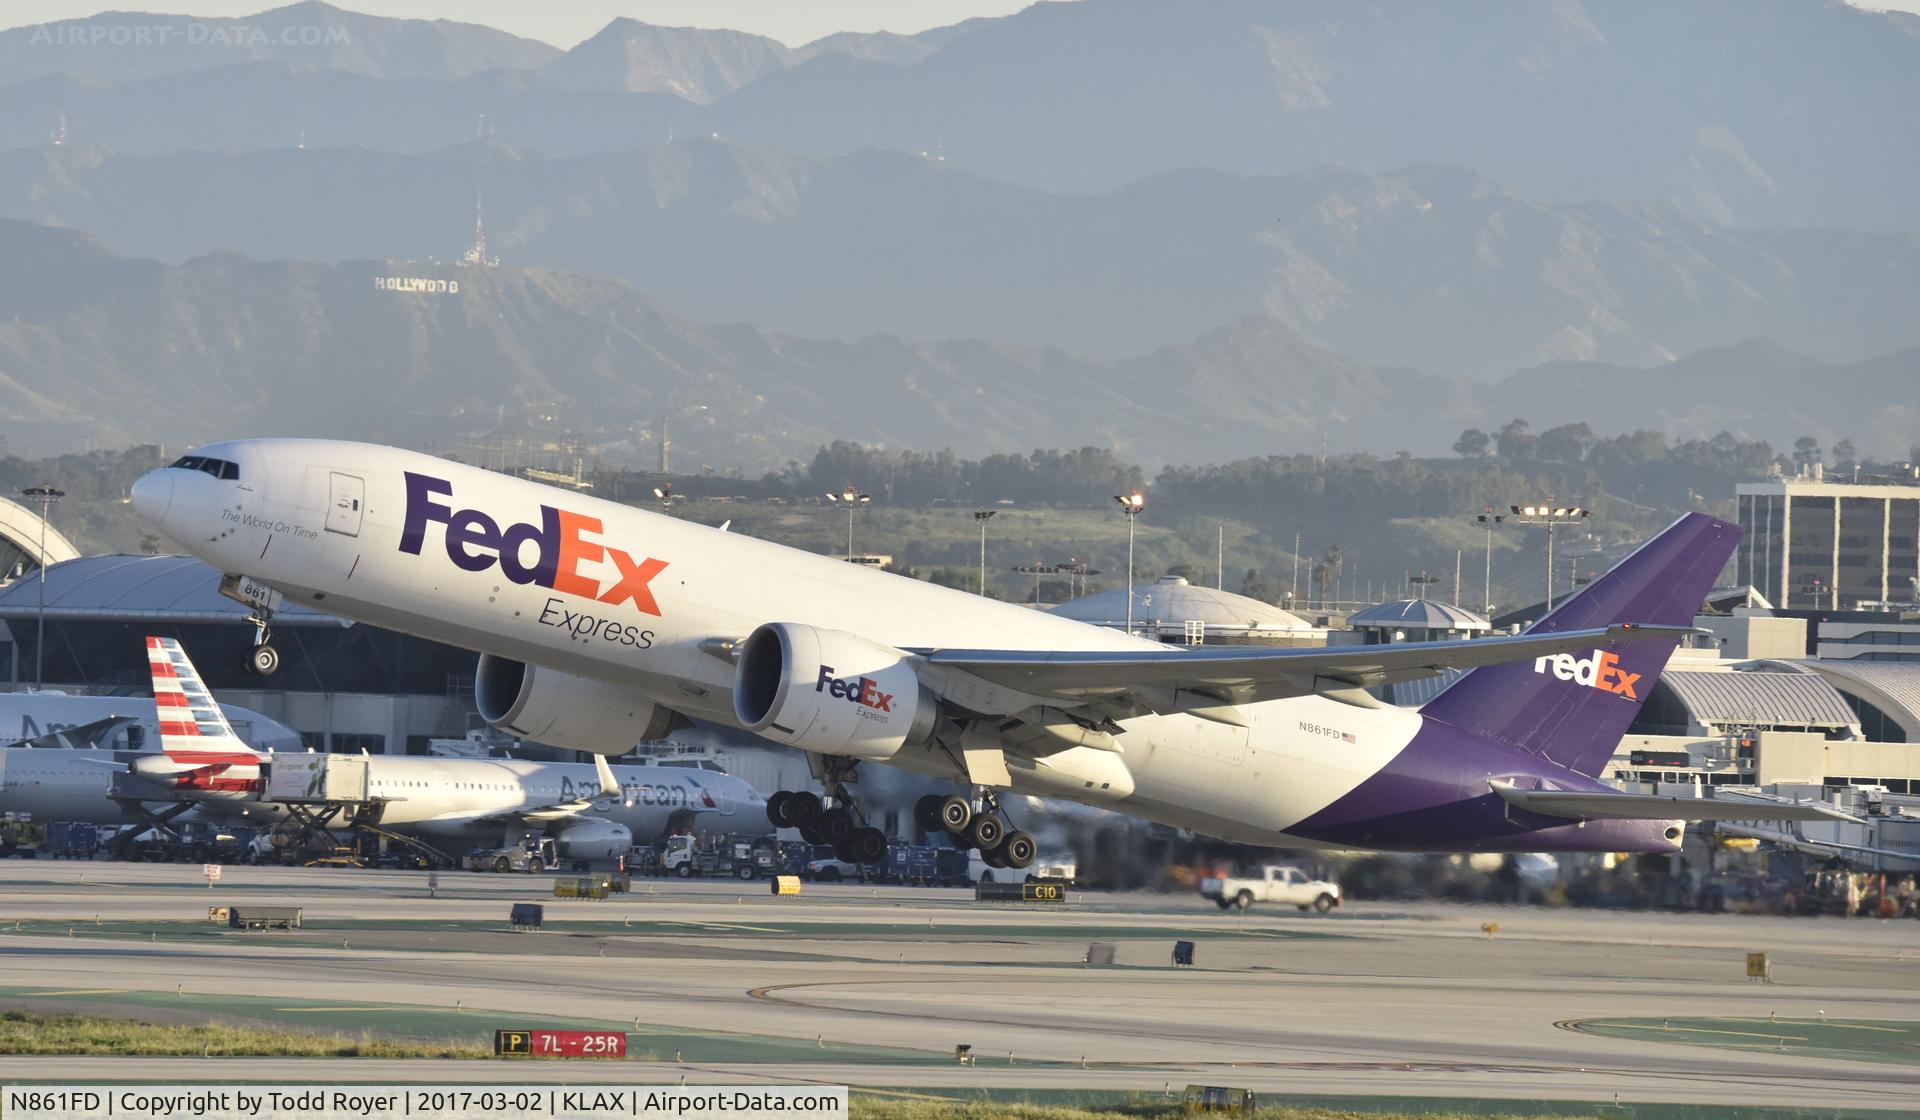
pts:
pixel 218 468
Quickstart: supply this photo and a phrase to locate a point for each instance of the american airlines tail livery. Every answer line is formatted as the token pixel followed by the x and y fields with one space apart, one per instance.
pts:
pixel 599 623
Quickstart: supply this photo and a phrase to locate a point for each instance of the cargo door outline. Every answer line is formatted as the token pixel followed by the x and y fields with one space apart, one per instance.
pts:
pixel 346 503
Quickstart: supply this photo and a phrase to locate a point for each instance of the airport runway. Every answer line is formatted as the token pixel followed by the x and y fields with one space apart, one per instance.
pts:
pixel 875 986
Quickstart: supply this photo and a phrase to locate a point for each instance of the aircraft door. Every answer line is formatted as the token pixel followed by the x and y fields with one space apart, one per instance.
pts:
pixel 347 498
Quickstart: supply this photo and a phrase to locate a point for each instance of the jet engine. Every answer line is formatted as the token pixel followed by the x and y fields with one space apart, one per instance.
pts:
pixel 830 692
pixel 592 840
pixel 562 710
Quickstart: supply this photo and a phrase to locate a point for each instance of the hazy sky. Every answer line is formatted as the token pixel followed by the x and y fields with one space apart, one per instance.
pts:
pixel 566 23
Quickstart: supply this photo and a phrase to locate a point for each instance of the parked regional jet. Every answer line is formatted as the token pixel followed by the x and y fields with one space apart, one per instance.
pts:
pixel 202 760
pixel 593 812
pixel 599 622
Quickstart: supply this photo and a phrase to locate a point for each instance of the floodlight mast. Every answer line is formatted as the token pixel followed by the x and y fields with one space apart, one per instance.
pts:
pixel 1549 515
pixel 1131 503
pixel 981 516
pixel 852 499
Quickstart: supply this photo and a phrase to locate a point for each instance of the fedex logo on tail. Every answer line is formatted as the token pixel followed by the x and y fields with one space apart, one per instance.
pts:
pixel 562 542
pixel 1601 671
pixel 864 692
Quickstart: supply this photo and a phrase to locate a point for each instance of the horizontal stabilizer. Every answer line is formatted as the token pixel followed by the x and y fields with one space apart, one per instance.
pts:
pixel 1593 806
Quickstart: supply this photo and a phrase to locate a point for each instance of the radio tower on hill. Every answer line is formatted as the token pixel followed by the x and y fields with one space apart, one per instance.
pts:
pixel 478 254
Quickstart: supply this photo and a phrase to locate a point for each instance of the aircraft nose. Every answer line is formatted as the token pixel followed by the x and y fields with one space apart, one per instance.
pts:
pixel 152 495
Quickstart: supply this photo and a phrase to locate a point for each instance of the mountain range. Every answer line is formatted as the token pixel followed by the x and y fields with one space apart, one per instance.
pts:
pixel 1747 113
pixel 1475 279
pixel 105 349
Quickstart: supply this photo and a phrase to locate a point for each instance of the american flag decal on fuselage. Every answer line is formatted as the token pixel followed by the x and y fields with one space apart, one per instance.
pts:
pixel 193 730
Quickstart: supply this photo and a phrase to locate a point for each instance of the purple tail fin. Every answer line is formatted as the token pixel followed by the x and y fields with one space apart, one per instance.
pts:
pixel 1574 708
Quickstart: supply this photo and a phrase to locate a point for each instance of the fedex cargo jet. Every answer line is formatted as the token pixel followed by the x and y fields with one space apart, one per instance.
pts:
pixel 599 623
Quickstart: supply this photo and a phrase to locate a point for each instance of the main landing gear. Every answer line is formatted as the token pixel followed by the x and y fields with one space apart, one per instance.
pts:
pixel 835 819
pixel 1000 844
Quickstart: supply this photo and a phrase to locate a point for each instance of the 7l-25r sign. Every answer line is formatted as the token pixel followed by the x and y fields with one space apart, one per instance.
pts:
pixel 559 1044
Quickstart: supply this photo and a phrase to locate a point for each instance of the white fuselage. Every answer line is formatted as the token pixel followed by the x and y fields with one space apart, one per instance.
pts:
pixel 470 798
pixel 324 522
pixel 60 785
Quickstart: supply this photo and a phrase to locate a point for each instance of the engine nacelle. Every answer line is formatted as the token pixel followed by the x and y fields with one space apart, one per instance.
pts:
pixel 593 840
pixel 830 692
pixel 562 710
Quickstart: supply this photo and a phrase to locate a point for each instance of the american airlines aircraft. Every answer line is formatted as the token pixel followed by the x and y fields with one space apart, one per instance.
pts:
pixel 599 622
pixel 593 812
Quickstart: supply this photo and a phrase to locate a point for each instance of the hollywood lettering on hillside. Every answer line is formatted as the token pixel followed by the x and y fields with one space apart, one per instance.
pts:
pixel 427 284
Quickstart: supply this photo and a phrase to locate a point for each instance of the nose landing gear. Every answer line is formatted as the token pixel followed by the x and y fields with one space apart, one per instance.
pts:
pixel 1001 845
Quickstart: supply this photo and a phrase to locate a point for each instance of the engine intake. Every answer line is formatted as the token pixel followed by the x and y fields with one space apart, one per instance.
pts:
pixel 562 710
pixel 830 692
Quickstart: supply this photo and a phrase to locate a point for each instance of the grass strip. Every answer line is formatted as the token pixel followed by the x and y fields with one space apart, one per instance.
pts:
pixel 31 1032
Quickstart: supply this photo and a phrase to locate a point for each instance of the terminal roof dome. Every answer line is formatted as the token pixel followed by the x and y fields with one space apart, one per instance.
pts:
pixel 1417 614
pixel 1716 698
pixel 1171 601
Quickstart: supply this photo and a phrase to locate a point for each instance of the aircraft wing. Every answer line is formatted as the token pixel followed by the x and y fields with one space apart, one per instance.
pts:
pixel 1592 806
pixel 84 735
pixel 1242 674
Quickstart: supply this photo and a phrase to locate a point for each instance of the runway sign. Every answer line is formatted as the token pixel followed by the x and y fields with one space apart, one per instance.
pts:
pixel 541 1043
pixel 1044 891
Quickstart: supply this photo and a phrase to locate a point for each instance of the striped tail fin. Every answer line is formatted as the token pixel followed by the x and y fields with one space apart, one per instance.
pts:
pixel 193 730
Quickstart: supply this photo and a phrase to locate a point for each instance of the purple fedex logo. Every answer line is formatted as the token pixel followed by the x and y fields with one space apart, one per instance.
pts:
pixel 562 542
pixel 864 692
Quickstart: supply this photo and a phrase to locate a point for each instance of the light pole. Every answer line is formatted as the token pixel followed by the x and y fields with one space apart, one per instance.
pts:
pixel 1488 519
pixel 982 516
pixel 852 499
pixel 1131 503
pixel 46 496
pixel 1549 515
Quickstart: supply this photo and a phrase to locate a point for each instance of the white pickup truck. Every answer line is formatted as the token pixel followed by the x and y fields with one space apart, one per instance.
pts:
pixel 1285 885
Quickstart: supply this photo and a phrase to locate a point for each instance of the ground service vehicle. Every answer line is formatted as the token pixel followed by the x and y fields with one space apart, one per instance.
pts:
pixel 687 856
pixel 1285 885
pixel 532 854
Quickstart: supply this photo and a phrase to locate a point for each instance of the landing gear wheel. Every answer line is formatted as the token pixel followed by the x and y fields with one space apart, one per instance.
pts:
pixel 778 809
pixel 955 815
pixel 843 851
pixel 263 661
pixel 986 833
pixel 811 835
pixel 868 845
pixel 1018 849
pixel 992 857
pixel 805 810
pixel 926 812
pixel 837 825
